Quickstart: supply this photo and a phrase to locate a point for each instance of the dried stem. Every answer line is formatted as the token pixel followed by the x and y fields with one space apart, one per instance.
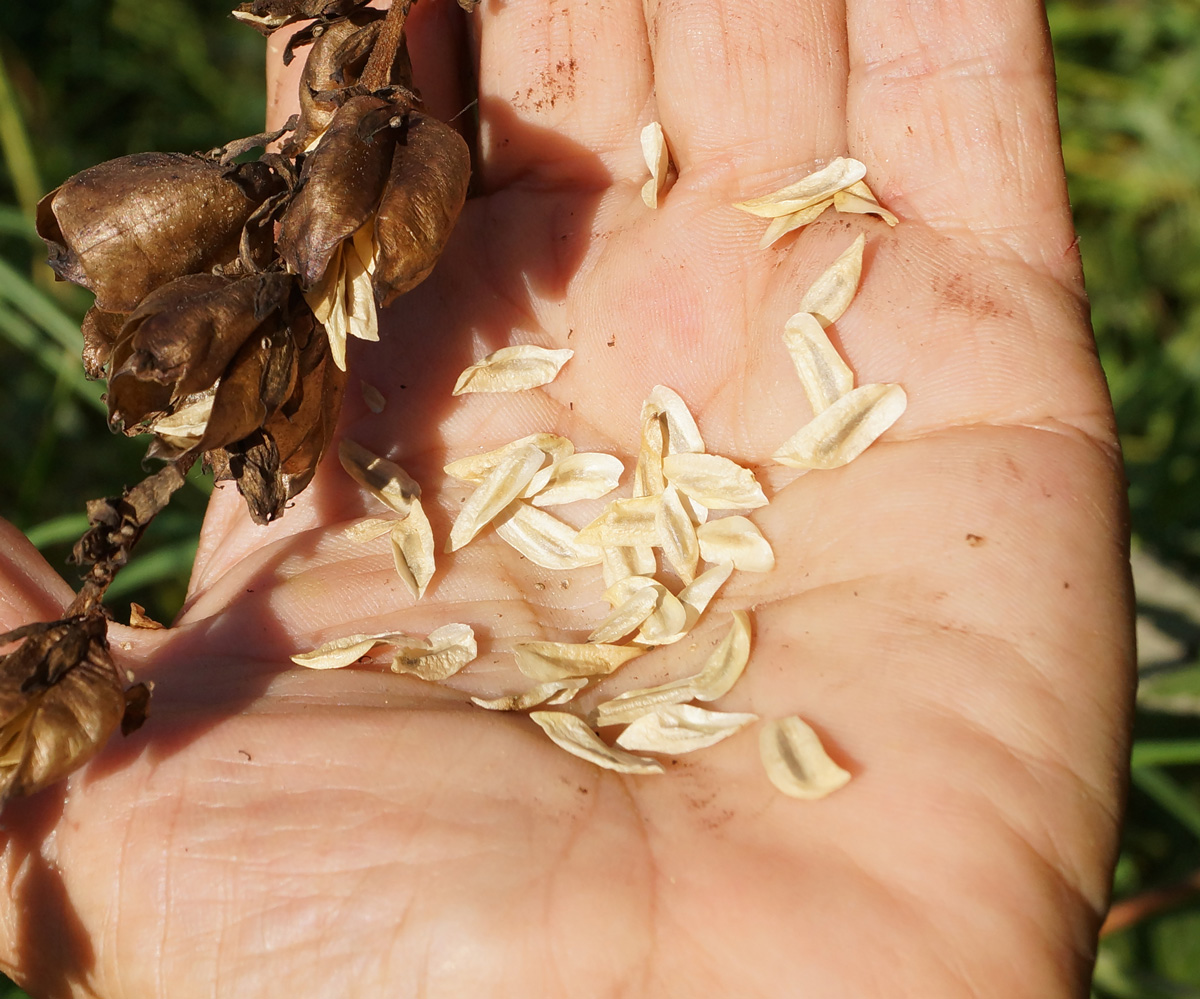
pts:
pixel 378 71
pixel 1133 910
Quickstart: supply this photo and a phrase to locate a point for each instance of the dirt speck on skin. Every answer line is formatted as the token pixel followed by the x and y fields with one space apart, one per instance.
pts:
pixel 975 540
pixel 552 85
pixel 961 292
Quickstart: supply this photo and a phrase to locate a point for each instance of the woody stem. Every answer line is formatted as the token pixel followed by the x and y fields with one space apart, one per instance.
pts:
pixel 378 71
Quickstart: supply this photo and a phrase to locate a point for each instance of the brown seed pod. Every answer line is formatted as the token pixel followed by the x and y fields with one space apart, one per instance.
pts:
pixel 267 15
pixel 425 191
pixel 340 185
pixel 128 226
pixel 100 331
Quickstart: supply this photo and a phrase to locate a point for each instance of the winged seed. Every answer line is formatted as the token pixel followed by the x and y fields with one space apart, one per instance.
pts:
pixel 624 522
pixel 629 615
pixel 543 538
pixel 796 762
pixel 626 587
pixel 633 704
pixel 781 226
pixel 654 149
pixel 842 432
pixel 586 475
pixel 622 562
pixel 831 294
pixel 698 594
pixel 737 540
pixel 808 191
pixel 572 733
pixel 724 667
pixel 477 467
pixel 343 651
pixel 667 624
pixel 412 550
pixel 369 529
pixel 677 535
pixel 824 376
pixel 543 693
pixel 513 369
pixel 502 485
pixel 447 650
pixel 681 728
pixel 715 481
pixel 682 433
pixel 544 661
pixel 647 474
pixel 383 479
pixel 373 398
pixel 858 199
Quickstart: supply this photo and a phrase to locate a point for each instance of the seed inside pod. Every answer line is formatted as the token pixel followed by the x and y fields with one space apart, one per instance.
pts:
pixel 477 467
pixel 858 199
pixel 784 224
pixel 350 648
pixel 543 538
pixel 808 191
pixel 502 485
pixel 586 475
pixel 625 522
pixel 629 615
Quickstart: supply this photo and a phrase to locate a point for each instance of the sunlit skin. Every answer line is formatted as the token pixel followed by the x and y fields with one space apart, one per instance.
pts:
pixel 951 611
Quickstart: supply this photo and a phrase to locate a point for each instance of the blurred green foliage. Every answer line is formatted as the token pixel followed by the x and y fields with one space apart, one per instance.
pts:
pixel 87 80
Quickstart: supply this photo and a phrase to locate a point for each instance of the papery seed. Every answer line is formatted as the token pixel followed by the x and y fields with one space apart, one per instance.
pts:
pixel 724 667
pixel 625 522
pixel 715 481
pixel 544 661
pixel 504 484
pixel 824 376
pixel 736 540
pixel 477 467
pixel 808 191
pixel 447 650
pixel 543 539
pixel 677 535
pixel 781 226
pixel 842 432
pixel 628 616
pixel 647 473
pixel 633 704
pixel 513 369
pixel 698 594
pixel 412 550
pixel 668 622
pixel 858 199
pixel 831 294
pixel 682 436
pixel 587 475
pixel 572 733
pixel 681 728
pixel 543 693
pixel 373 398
pixel 343 651
pixel 363 531
pixel 796 762
pixel 627 586
pixel 654 149
pixel 383 479
pixel 622 562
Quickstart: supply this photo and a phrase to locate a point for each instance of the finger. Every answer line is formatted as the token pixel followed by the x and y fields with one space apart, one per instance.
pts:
pixel 951 106
pixel 29 589
pixel 760 86
pixel 563 89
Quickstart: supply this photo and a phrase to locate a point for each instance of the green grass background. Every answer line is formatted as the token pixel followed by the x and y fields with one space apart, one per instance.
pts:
pixel 86 80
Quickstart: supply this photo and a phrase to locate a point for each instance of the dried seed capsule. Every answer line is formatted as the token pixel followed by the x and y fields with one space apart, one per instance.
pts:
pixel 267 15
pixel 128 226
pixel 425 191
pixel 100 331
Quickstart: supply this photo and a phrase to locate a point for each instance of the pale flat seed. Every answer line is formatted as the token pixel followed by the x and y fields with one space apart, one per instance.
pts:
pixel 189 420
pixel 343 651
pixel 796 762
pixel 570 732
pixel 368 530
pixel 654 149
pixel 513 369
pixel 447 650
pixel 477 467
pixel 624 522
pixel 543 693
pixel 632 704
pixel 327 301
pixel 383 479
pixel 715 481
pixel 677 535
pixel 647 473
pixel 543 538
pixel 412 550
pixel 622 562
pixel 831 294
pixel 493 494
pixel 374 399
pixel 628 616
pixel 667 624
pixel 824 376
pixel 681 728
pixel 586 475
pixel 683 436
pixel 858 199
pixel 544 661
pixel 737 540
pixel 627 586
pixel 842 432
pixel 724 667
pixel 698 594
pixel 816 187
pixel 538 482
pixel 360 296
pixel 781 226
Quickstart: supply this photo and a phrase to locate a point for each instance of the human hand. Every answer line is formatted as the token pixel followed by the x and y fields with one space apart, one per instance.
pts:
pixel 950 610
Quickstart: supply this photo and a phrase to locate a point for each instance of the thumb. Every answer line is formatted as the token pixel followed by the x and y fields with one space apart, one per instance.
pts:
pixel 30 590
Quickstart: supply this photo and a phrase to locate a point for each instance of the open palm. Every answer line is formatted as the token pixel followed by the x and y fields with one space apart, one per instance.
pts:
pixel 950 611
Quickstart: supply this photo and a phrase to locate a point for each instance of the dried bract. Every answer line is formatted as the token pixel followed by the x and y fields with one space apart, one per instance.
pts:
pixel 572 733
pixel 513 369
pixel 784 224
pixel 842 432
pixel 345 650
pixel 796 762
pixel 681 728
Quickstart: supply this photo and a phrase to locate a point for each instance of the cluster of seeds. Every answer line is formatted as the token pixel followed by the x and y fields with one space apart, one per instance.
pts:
pixel 678 490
